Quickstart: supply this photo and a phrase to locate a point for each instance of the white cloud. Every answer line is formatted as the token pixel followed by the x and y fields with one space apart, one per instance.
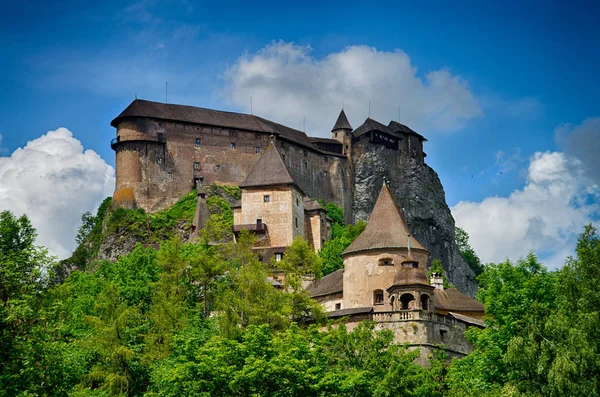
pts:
pixel 287 83
pixel 583 142
pixel 545 216
pixel 53 180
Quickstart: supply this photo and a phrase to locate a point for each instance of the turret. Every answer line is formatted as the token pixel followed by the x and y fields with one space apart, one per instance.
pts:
pixel 342 132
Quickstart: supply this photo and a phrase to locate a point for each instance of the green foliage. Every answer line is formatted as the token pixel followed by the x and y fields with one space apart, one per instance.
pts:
pixel 233 191
pixel 297 362
pixel 332 250
pixel 436 267
pixel 462 241
pixel 335 213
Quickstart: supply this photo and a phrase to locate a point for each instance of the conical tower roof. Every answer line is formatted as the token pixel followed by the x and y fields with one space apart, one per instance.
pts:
pixel 386 228
pixel 342 122
pixel 269 170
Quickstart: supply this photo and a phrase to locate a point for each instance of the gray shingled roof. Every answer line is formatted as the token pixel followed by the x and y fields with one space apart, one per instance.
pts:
pixel 196 115
pixel 452 299
pixel 342 122
pixel 311 205
pixel 467 319
pixel 351 311
pixel 386 228
pixel 398 127
pixel 269 170
pixel 330 284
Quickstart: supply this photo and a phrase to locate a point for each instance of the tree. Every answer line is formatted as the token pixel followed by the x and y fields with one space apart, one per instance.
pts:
pixel 23 278
pixel 332 250
pixel 468 253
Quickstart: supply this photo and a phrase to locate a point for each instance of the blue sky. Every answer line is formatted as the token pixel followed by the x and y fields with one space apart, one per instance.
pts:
pixel 530 69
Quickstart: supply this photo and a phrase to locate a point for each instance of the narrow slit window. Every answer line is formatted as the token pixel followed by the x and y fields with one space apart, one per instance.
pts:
pixel 198 142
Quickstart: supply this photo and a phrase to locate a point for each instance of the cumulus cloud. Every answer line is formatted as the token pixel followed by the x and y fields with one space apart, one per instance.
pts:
pixel 287 83
pixel 545 216
pixel 53 180
pixel 582 141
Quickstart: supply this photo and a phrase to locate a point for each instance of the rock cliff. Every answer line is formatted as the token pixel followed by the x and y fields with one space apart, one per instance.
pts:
pixel 419 192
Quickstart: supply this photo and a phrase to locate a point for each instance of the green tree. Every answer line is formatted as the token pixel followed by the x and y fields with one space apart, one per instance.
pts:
pixel 332 250
pixel 468 253
pixel 23 278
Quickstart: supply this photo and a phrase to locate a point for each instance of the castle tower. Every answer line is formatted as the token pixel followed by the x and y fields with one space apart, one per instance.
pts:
pixel 272 203
pixel 381 258
pixel 342 132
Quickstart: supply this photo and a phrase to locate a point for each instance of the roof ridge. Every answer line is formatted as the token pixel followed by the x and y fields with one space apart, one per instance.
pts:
pixel 269 170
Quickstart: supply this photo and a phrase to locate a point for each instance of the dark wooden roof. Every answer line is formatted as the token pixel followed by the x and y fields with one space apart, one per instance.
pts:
pixel 330 284
pixel 401 128
pixel 328 141
pixel 452 299
pixel 374 125
pixel 342 122
pixel 269 170
pixel 386 228
pixel 467 319
pixel 217 118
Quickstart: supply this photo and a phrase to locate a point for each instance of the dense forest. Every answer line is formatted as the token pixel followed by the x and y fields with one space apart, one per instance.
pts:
pixel 172 318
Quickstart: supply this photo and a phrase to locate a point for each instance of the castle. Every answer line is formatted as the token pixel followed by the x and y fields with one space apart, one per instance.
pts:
pixel 163 150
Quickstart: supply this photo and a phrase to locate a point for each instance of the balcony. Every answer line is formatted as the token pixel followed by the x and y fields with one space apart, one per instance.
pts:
pixel 160 138
pixel 411 315
pixel 253 227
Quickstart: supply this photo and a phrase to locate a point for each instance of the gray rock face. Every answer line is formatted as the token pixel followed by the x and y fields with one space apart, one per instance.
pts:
pixel 419 192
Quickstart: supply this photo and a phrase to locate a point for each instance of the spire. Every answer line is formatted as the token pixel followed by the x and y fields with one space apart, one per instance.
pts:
pixel 342 122
pixel 386 227
pixel 269 170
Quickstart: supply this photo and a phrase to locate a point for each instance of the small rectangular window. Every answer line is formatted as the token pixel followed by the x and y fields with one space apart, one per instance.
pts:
pixel 217 168
pixel 259 221
pixel 338 306
pixel 169 175
pixel 306 165
pixel 159 160
pixel 266 198
pixel 297 202
pixel 296 221
pixel 325 173
pixel 378 298
pixel 232 145
pixel 233 133
pixel 257 149
pixel 283 157
pixel 196 165
pixel 305 152
pixel 278 256
pixel 336 134
pixel 198 142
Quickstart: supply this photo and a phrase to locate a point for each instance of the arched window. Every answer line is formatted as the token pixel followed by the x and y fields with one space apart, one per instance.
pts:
pixel 378 297
pixel 425 302
pixel 405 301
pixel 386 262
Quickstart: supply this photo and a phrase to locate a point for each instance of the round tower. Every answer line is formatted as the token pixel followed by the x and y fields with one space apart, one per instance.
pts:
pixel 342 132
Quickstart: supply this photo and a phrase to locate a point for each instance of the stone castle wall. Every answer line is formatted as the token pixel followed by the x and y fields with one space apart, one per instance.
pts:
pixel 156 159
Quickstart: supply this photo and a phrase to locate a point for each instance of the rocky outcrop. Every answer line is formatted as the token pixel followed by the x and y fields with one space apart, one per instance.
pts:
pixel 419 192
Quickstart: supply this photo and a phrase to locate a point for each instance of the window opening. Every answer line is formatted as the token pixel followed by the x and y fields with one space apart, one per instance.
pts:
pixel 198 142
pixel 338 306
pixel 266 198
pixel 196 165
pixel 257 149
pixel 217 168
pixel 378 297
pixel 232 145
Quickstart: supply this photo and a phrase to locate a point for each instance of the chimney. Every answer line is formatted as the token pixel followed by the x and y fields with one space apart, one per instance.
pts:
pixel 437 281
